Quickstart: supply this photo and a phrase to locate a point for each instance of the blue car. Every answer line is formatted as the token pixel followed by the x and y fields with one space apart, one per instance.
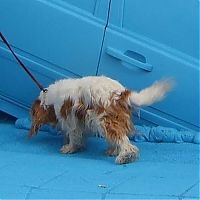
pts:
pixel 133 41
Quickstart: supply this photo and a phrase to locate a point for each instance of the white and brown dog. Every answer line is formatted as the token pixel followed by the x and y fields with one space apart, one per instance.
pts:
pixel 98 104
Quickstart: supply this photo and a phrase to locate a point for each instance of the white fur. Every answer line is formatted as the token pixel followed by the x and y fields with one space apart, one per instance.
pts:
pixel 127 152
pixel 152 94
pixel 90 88
pixel 95 88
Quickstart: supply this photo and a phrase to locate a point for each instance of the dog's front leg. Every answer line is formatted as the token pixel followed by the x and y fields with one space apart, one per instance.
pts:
pixel 66 138
pixel 75 142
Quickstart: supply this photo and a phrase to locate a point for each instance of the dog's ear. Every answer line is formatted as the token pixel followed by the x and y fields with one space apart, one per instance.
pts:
pixel 40 116
pixel 34 129
pixel 37 114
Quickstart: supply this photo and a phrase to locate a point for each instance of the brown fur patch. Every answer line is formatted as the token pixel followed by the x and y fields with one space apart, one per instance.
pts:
pixel 81 110
pixel 66 108
pixel 99 107
pixel 41 116
pixel 117 123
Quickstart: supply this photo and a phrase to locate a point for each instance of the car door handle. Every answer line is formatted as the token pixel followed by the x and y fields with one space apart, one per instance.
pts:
pixel 133 58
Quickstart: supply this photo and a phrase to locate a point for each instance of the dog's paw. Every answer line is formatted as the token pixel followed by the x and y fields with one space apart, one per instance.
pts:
pixel 128 156
pixel 68 149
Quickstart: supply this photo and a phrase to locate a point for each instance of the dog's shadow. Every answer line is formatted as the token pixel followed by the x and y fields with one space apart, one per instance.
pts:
pixel 47 143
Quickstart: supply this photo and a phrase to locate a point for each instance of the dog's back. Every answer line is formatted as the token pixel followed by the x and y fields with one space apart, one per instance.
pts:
pixel 89 89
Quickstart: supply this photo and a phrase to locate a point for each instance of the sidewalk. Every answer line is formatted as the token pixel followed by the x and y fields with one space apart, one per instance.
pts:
pixel 34 169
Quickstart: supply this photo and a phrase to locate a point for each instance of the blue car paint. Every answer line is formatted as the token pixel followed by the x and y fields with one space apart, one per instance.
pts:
pixel 41 30
pixel 65 38
pixel 148 41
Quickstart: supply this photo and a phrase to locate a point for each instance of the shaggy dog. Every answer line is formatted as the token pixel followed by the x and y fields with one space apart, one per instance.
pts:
pixel 98 104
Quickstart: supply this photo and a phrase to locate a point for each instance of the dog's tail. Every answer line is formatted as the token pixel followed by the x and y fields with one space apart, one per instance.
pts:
pixel 151 94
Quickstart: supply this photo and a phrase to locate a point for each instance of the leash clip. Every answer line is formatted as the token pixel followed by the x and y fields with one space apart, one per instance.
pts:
pixel 43 98
pixel 45 90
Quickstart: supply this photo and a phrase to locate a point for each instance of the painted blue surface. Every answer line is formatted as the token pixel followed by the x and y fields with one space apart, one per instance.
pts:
pixel 177 29
pixel 58 32
pixel 54 39
pixel 34 169
pixel 150 41
pixel 135 42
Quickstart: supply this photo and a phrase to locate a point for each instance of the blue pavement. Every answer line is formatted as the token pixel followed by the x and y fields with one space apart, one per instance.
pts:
pixel 34 169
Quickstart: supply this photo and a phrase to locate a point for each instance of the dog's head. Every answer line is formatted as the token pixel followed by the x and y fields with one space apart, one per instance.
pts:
pixel 41 116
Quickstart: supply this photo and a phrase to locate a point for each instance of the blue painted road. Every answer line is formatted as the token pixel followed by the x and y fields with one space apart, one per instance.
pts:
pixel 34 169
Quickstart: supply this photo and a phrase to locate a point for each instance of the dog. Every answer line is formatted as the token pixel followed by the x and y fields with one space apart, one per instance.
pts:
pixel 98 104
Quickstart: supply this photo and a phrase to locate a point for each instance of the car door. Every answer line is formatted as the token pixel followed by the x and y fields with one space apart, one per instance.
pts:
pixel 149 40
pixel 54 38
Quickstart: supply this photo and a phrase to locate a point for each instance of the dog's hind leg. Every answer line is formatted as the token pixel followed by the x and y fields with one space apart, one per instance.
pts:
pixel 127 151
pixel 120 145
pixel 124 150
